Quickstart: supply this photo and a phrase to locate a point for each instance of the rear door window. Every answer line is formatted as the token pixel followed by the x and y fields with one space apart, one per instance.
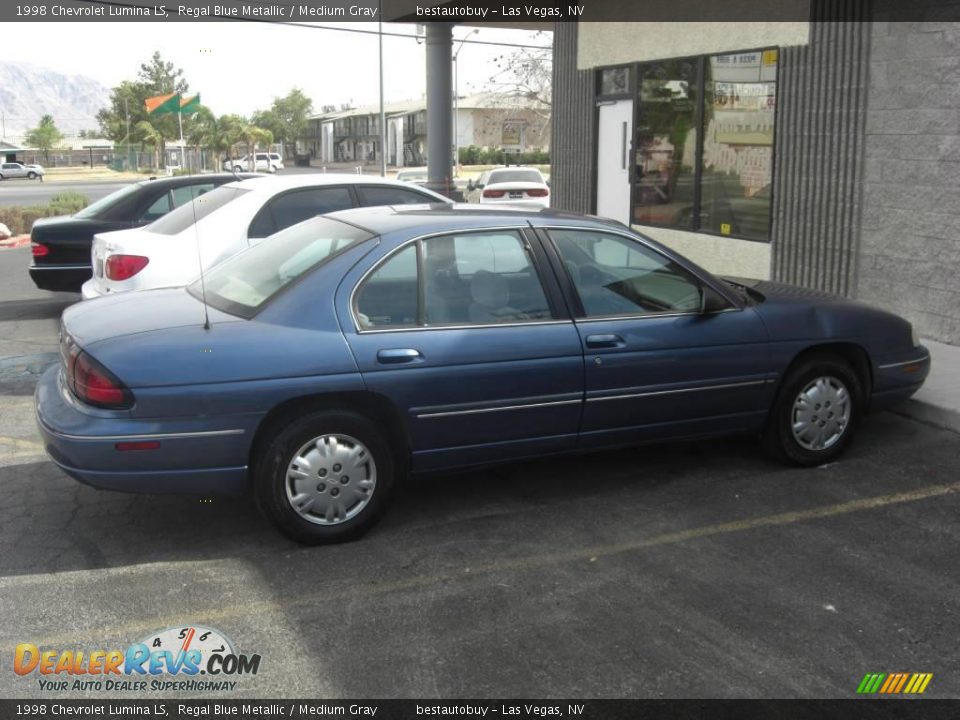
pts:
pixel 296 206
pixel 370 196
pixel 158 208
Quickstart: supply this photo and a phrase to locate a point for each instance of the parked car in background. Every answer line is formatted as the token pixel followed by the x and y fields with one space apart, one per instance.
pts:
pixel 322 364
pixel 266 162
pixel 13 170
pixel 418 176
pixel 170 252
pixel 61 245
pixel 522 186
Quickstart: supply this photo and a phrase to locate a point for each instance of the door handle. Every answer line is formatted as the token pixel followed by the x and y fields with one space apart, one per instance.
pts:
pixel 395 356
pixel 604 341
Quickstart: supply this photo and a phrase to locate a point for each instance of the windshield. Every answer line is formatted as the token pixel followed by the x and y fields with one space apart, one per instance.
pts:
pixel 103 203
pixel 178 220
pixel 502 176
pixel 245 282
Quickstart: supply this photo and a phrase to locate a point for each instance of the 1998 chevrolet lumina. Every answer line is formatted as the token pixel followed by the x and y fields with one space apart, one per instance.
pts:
pixel 351 349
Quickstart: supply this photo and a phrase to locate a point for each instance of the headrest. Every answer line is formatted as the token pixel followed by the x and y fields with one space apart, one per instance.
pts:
pixel 489 289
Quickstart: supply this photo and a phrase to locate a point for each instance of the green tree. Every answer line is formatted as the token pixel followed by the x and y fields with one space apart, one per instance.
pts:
pixel 127 110
pixel 218 134
pixel 286 118
pixel 45 137
pixel 254 135
pixel 147 134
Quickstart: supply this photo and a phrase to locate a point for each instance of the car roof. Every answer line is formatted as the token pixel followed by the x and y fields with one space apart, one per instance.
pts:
pixel 284 182
pixel 440 217
pixel 179 180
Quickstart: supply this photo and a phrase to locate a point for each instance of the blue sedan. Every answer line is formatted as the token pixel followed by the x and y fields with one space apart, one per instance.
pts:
pixel 321 366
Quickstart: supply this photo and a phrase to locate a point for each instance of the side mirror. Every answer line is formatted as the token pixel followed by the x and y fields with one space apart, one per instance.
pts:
pixel 470 185
pixel 711 301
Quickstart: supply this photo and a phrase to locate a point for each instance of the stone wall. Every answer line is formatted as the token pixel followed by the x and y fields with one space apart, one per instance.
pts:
pixel 910 241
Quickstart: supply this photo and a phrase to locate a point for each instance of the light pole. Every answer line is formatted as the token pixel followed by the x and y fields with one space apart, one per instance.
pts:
pixel 456 105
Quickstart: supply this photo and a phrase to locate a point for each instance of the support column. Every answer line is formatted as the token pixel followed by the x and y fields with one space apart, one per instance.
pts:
pixel 439 115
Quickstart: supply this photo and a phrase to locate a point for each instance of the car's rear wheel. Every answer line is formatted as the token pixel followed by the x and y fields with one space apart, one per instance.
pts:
pixel 325 477
pixel 237 168
pixel 816 412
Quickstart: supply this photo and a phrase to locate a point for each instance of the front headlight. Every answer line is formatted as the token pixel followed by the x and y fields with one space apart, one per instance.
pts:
pixel 914 336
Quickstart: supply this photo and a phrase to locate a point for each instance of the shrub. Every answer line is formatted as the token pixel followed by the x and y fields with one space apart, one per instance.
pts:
pixel 20 218
pixel 67 203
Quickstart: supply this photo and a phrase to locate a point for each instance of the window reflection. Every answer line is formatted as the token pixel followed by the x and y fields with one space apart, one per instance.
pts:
pixel 666 144
pixel 736 94
pixel 739 103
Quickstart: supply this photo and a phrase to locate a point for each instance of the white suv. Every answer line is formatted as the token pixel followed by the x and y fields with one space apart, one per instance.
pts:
pixel 266 162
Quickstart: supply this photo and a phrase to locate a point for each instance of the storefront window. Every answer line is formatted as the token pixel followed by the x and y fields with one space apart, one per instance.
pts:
pixel 740 98
pixel 666 144
pixel 703 147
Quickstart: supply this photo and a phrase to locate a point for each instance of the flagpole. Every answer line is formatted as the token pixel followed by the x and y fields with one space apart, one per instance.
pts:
pixel 183 154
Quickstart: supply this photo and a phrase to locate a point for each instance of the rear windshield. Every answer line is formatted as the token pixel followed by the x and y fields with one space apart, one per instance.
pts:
pixel 501 176
pixel 244 283
pixel 178 220
pixel 109 201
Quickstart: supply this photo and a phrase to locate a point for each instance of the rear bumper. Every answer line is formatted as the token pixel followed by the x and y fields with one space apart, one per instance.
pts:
pixel 206 457
pixel 89 290
pixel 60 278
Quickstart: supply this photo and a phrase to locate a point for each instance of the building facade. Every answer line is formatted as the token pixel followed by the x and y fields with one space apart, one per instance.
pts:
pixel 487 120
pixel 821 152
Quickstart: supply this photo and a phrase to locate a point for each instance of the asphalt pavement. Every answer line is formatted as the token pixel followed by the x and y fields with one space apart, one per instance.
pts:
pixel 23 192
pixel 684 570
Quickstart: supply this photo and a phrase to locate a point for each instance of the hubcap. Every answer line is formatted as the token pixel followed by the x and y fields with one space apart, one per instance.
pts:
pixel 331 479
pixel 821 413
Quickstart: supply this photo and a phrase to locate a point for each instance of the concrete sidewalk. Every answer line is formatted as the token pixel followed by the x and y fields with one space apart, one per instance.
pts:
pixel 938 401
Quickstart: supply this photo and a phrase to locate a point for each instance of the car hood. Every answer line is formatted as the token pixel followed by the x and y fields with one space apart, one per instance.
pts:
pixel 791 312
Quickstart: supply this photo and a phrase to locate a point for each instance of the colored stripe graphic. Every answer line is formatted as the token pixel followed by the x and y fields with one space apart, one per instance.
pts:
pixel 894 683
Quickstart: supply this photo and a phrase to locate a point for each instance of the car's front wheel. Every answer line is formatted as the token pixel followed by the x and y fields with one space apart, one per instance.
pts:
pixel 237 168
pixel 816 412
pixel 325 477
pixel 31 175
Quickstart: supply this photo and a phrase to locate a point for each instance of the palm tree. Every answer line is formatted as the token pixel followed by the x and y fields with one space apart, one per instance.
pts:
pixel 149 135
pixel 254 136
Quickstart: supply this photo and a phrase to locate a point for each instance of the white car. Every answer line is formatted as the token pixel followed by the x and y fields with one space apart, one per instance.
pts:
pixel 29 171
pixel 226 220
pixel 266 162
pixel 519 186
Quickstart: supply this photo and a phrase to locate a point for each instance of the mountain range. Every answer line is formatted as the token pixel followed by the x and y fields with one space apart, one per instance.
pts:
pixel 28 92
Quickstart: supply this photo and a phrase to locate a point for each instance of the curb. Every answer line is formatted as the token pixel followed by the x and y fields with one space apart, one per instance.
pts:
pixel 15 242
pixel 929 414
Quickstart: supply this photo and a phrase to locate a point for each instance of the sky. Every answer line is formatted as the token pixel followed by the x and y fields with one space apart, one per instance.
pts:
pixel 239 67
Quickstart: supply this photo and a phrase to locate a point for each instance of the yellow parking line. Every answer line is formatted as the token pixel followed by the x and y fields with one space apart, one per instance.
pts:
pixel 213 614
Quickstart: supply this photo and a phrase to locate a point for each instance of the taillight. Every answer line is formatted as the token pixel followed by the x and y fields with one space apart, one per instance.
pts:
pixel 39 249
pixel 123 267
pixel 494 193
pixel 90 381
pixel 538 192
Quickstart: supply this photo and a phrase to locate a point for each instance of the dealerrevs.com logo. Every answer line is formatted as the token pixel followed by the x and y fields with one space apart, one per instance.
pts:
pixel 191 659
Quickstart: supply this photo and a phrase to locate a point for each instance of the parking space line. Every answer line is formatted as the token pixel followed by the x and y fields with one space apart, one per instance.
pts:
pixel 214 614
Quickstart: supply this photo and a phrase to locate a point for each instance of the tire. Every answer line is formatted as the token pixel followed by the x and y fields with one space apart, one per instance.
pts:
pixel 816 413
pixel 237 168
pixel 31 175
pixel 335 507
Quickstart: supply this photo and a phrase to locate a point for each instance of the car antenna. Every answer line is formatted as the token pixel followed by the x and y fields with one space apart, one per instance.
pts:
pixel 203 285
